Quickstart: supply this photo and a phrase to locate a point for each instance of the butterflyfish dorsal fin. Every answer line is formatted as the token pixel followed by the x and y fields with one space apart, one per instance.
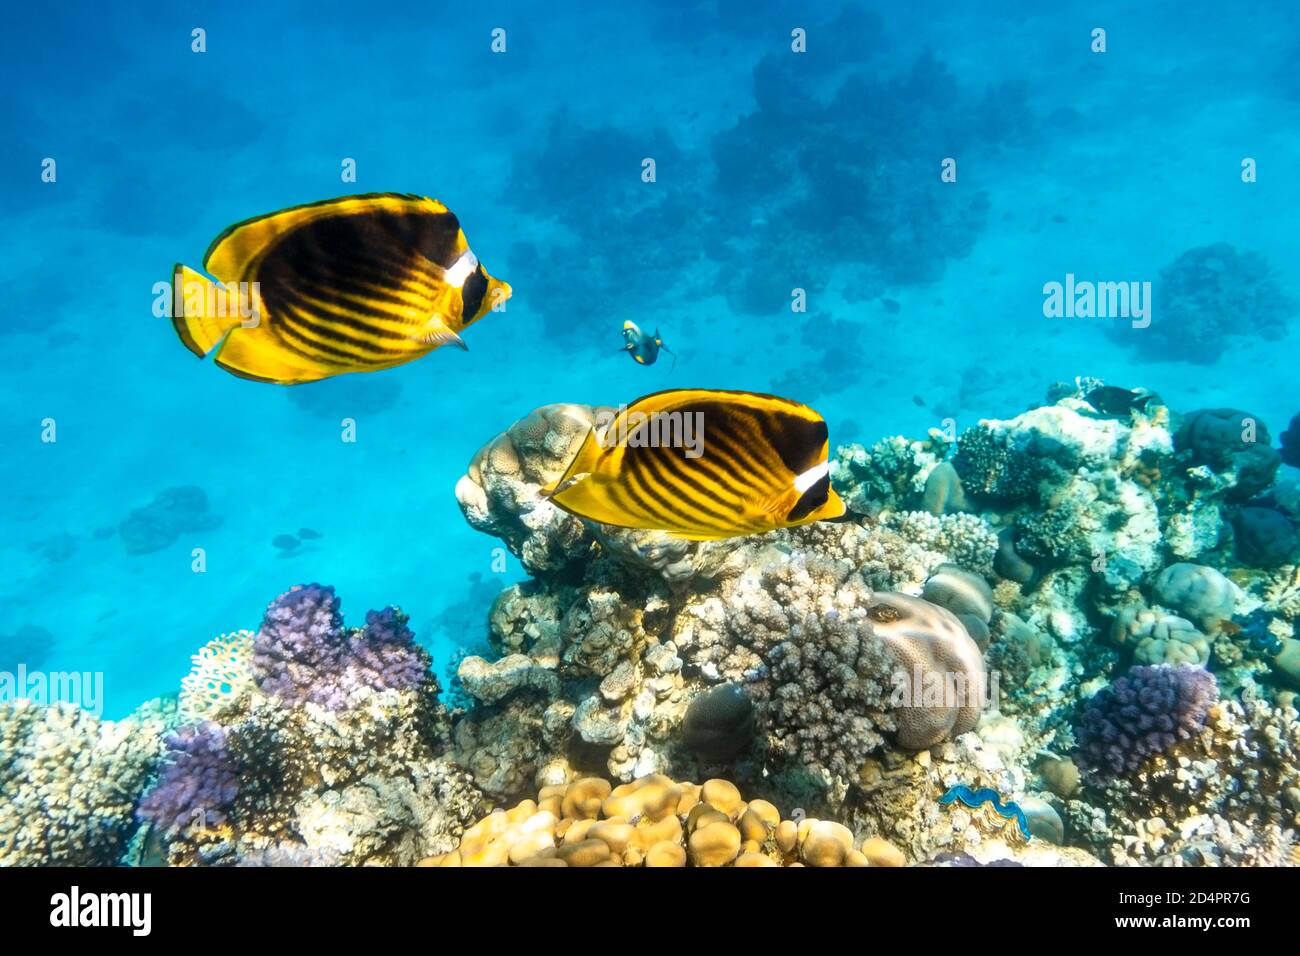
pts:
pixel 233 253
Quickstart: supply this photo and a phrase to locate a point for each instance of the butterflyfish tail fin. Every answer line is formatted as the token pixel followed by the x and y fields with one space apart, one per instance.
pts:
pixel 203 311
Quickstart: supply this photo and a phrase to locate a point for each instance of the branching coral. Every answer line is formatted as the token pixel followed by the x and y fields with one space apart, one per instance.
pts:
pixel 199 781
pixel 303 653
pixel 69 783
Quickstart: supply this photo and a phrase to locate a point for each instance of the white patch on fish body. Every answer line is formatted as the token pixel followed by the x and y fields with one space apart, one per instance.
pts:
pixel 461 269
pixel 810 477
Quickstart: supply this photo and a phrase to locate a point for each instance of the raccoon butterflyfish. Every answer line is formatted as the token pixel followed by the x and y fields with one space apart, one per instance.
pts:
pixel 354 284
pixel 702 464
pixel 644 348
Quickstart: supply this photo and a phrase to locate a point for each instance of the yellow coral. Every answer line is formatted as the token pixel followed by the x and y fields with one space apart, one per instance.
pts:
pixel 657 822
pixel 221 675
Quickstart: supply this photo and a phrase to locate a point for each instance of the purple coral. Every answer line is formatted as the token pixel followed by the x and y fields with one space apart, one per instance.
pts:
pixel 384 652
pixel 303 653
pixel 1144 713
pixel 198 783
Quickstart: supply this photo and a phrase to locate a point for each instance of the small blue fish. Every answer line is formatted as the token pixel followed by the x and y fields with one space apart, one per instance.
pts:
pixel 976 799
pixel 644 348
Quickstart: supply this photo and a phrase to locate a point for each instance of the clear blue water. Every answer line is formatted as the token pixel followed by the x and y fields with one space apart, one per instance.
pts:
pixel 1108 166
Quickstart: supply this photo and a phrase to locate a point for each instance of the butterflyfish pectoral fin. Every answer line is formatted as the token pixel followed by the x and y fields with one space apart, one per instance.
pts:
pixel 436 333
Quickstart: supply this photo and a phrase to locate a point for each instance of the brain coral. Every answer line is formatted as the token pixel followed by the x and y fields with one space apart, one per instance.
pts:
pixel 1144 713
pixel 1197 591
pixel 933 652
pixel 499 492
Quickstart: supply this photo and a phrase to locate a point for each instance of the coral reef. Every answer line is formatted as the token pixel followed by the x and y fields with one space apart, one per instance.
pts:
pixel 198 782
pixel 836 205
pixel 654 821
pixel 173 512
pixel 1069 526
pixel 221 675
pixel 1091 614
pixel 1205 299
pixel 1229 795
pixel 1230 441
pixel 69 782
pixel 333 750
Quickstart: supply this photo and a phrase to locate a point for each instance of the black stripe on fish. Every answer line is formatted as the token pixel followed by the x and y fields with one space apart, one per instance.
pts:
pixel 797 440
pixel 364 320
pixel 353 314
pixel 369 284
pixel 676 473
pixel 729 451
pixel 646 472
pixel 472 293
pixel 629 489
pixel 331 340
pixel 734 488
pixel 374 248
pixel 811 500
pixel 683 508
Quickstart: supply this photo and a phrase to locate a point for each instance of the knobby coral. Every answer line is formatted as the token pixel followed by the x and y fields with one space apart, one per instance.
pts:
pixel 1146 712
pixel 303 653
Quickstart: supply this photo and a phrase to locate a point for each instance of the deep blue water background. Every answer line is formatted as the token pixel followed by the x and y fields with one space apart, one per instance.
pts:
pixel 774 171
